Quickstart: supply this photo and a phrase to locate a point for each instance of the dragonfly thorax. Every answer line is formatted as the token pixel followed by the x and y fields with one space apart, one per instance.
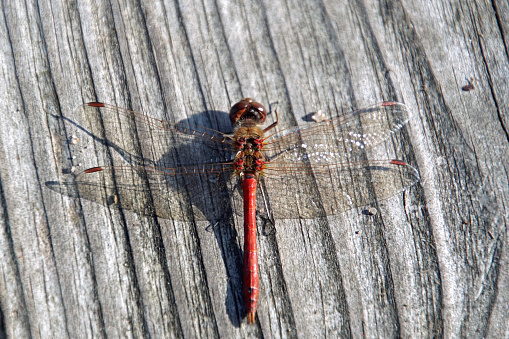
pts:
pixel 249 144
pixel 248 136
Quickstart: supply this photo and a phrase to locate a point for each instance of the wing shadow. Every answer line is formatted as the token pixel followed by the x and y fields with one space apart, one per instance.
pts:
pixel 186 198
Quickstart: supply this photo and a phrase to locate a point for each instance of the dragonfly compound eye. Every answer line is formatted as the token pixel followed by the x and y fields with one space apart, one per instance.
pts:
pixel 248 109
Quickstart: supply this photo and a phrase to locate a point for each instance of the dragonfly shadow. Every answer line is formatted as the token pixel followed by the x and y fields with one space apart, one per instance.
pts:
pixel 186 197
pixel 189 197
pixel 227 239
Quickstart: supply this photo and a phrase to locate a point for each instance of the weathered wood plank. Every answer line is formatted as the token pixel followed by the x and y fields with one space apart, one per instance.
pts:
pixel 431 262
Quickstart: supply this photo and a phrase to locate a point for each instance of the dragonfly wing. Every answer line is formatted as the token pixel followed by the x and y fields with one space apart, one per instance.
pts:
pixel 156 138
pixel 309 192
pixel 341 137
pixel 194 192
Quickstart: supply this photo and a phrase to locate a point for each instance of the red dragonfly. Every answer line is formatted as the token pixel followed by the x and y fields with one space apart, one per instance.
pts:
pixel 320 169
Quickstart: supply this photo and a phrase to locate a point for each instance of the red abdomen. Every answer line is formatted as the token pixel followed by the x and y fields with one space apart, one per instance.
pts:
pixel 250 276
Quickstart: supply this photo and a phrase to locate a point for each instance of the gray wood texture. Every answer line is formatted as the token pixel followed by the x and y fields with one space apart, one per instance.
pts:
pixel 432 262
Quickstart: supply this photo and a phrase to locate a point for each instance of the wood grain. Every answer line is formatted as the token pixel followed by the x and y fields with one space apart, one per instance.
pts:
pixel 432 262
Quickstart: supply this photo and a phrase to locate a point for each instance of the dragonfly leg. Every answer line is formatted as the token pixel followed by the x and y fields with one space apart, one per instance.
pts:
pixel 273 124
pixel 270 217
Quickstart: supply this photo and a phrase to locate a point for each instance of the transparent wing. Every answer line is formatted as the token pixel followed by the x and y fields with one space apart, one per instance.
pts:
pixel 340 138
pixel 159 139
pixel 310 191
pixel 200 192
pixel 210 192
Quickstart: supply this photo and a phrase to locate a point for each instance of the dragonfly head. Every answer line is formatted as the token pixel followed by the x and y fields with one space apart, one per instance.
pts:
pixel 248 109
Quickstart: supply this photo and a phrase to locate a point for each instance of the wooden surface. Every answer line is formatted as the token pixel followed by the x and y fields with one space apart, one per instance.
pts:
pixel 432 262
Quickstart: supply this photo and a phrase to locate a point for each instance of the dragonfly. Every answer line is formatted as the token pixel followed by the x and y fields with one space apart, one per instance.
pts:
pixel 315 170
